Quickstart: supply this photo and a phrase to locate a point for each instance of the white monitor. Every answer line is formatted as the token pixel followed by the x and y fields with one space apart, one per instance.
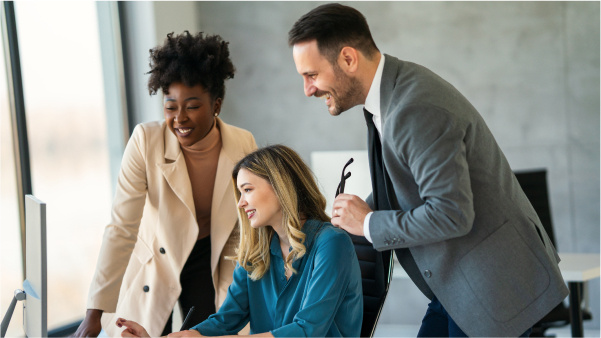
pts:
pixel 35 306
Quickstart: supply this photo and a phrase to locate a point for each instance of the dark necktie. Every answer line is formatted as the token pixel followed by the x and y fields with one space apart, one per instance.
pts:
pixel 376 166
pixel 379 180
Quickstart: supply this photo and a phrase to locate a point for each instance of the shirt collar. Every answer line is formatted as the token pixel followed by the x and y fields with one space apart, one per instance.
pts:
pixel 274 246
pixel 372 101
pixel 310 228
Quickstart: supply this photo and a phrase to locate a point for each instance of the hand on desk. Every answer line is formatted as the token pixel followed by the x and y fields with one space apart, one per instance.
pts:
pixel 90 326
pixel 348 213
pixel 185 333
pixel 133 329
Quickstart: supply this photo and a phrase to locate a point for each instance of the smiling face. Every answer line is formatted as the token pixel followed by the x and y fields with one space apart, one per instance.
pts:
pixel 258 200
pixel 324 80
pixel 190 112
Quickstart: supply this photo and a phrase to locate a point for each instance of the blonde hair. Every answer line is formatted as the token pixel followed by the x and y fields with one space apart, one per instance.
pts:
pixel 300 199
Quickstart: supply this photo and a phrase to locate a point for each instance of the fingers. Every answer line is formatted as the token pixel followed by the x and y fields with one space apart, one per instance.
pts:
pixel 133 329
pixel 337 222
pixel 349 213
pixel 345 196
pixel 121 322
pixel 336 212
pixel 126 333
pixel 185 333
pixel 130 324
pixel 346 200
pixel 339 205
pixel 90 326
pixel 345 204
pixel 350 227
pixel 339 209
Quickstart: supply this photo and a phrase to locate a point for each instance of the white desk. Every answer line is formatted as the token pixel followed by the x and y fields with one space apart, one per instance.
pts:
pixel 576 269
pixel 579 267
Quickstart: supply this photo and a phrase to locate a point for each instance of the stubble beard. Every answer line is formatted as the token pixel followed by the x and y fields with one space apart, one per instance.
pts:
pixel 350 89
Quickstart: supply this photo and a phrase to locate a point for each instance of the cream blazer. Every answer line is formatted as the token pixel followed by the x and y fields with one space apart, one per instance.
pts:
pixel 153 228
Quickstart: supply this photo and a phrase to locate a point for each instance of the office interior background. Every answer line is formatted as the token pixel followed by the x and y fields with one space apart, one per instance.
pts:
pixel 530 68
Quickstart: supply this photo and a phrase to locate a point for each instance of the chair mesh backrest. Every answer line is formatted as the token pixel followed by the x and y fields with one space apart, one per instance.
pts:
pixel 534 184
pixel 375 268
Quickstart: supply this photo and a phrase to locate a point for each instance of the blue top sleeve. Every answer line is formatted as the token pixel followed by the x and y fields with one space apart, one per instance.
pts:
pixel 234 313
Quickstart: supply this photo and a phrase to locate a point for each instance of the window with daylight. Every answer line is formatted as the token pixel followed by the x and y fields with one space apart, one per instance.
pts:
pixel 69 154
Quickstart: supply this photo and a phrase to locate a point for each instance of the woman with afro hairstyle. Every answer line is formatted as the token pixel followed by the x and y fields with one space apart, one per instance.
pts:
pixel 174 217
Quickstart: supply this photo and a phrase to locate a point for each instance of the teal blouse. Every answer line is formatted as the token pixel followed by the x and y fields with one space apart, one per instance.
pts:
pixel 324 298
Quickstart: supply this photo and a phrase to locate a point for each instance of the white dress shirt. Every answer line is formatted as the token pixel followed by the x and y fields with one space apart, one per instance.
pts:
pixel 372 105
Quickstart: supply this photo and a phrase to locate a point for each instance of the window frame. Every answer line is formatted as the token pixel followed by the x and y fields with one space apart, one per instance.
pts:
pixel 117 114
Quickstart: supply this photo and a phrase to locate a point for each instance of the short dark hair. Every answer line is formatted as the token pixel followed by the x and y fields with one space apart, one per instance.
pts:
pixel 191 60
pixel 334 26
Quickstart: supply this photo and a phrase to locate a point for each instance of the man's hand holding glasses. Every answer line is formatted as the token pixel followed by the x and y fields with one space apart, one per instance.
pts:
pixel 349 211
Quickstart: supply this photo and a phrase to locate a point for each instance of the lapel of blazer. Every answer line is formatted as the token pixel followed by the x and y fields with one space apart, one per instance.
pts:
pixel 223 208
pixel 389 77
pixel 390 73
pixel 175 171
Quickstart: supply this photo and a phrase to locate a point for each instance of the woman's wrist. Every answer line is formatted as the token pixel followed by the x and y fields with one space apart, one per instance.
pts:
pixel 94 313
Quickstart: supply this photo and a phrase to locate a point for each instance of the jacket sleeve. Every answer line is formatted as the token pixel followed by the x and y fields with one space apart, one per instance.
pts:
pixel 120 234
pixel 430 142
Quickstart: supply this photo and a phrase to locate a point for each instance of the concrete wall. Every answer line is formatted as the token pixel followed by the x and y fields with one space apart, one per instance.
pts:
pixel 530 68
pixel 146 25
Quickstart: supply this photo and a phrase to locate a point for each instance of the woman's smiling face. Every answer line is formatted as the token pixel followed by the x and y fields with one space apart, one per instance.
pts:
pixel 190 112
pixel 258 200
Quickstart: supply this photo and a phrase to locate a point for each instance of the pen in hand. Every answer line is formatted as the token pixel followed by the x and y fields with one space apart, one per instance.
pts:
pixel 186 323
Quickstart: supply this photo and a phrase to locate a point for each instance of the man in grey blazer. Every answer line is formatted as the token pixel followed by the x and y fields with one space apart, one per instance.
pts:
pixel 444 197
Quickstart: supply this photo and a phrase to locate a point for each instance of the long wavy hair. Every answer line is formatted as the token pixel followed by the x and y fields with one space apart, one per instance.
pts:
pixel 300 199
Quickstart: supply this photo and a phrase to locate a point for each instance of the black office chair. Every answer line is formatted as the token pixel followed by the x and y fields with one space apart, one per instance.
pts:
pixel 534 184
pixel 376 274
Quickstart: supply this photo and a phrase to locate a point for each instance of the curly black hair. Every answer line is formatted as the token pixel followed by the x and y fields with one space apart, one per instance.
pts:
pixel 191 60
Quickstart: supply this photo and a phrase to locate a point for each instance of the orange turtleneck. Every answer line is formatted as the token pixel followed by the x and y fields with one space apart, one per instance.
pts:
pixel 201 161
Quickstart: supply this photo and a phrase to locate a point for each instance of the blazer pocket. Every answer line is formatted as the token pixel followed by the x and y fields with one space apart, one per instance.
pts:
pixel 504 274
pixel 142 252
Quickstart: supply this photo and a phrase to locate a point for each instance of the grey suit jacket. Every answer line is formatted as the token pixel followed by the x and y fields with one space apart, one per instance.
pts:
pixel 459 208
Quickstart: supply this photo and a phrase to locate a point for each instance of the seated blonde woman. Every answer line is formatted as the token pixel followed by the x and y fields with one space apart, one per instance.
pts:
pixel 296 274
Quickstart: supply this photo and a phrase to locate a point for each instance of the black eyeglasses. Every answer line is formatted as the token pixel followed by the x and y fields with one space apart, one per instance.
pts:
pixel 343 178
